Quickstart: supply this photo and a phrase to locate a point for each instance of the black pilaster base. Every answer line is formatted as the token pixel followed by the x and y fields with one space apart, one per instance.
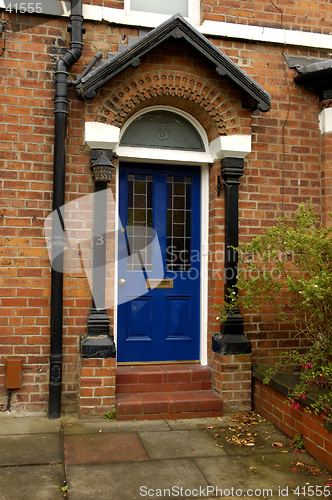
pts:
pixel 231 339
pixel 97 347
pixel 98 342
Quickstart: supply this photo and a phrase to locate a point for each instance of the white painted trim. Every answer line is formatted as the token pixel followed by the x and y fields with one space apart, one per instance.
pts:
pixel 208 28
pixel 101 135
pixel 325 121
pixel 163 155
pixel 166 155
pixel 204 261
pixel 105 136
pixel 236 146
pixel 116 250
pixel 267 35
pixel 170 157
pixel 204 255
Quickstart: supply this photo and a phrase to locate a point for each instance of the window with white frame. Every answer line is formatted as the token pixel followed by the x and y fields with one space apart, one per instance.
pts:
pixel 161 8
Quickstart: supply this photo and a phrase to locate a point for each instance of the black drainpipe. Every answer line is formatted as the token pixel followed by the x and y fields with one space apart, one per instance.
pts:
pixel 60 112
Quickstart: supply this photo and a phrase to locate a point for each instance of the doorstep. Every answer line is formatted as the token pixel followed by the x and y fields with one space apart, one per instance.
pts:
pixel 146 392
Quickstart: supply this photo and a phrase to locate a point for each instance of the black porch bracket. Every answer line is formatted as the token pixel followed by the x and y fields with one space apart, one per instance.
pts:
pixel 98 341
pixel 231 339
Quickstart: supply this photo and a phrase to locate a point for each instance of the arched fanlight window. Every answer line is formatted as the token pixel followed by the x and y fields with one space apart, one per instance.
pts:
pixel 162 130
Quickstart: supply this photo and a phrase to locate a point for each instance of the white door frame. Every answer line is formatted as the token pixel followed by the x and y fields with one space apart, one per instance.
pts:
pixel 104 136
pixel 203 253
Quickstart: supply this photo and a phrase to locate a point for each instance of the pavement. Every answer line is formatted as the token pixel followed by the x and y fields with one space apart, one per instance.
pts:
pixel 97 459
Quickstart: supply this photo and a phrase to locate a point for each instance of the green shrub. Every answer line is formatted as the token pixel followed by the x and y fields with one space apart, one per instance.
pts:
pixel 289 268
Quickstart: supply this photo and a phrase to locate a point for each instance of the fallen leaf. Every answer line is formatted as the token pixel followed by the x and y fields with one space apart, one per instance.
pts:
pixel 215 435
pixel 277 445
pixel 313 470
pixel 250 444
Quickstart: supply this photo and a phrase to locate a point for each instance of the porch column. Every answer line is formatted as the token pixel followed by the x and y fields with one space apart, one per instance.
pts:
pixel 231 339
pixel 98 342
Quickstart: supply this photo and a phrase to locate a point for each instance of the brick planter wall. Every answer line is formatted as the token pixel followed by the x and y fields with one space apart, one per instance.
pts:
pixel 232 379
pixel 269 403
pixel 97 387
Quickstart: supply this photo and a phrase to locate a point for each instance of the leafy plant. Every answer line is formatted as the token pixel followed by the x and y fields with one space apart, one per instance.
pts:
pixel 297 443
pixel 110 415
pixel 289 269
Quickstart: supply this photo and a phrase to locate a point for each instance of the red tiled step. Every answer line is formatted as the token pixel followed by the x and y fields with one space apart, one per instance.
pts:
pixel 182 404
pixel 163 378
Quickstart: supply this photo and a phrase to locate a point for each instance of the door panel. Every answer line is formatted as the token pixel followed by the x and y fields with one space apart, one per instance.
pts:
pixel 139 320
pixel 159 239
pixel 178 313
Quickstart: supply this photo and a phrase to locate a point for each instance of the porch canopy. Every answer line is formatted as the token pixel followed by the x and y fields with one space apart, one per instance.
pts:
pixel 254 96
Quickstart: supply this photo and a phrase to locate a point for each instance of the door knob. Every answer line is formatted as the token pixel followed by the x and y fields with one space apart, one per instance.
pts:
pixel 122 281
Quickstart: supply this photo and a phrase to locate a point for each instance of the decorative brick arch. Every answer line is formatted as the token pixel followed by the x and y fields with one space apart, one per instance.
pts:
pixel 189 92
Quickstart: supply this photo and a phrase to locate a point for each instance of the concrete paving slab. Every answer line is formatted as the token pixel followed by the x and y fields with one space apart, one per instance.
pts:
pixel 266 438
pixel 10 425
pixel 103 448
pixel 197 423
pixel 189 443
pixel 269 471
pixel 41 482
pixel 73 425
pixel 124 481
pixel 30 449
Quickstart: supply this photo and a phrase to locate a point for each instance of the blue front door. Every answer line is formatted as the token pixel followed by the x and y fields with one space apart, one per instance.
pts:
pixel 159 263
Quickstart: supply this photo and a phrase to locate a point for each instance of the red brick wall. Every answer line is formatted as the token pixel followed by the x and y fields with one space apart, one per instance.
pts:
pixel 270 404
pixel 216 254
pixel 312 16
pixel 232 379
pixel 26 181
pixel 97 387
pixel 26 126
